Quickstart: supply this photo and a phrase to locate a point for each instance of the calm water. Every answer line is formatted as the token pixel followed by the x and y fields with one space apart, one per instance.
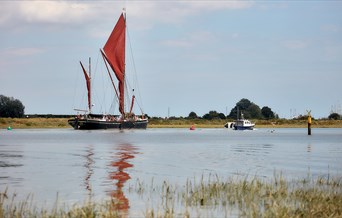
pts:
pixel 76 164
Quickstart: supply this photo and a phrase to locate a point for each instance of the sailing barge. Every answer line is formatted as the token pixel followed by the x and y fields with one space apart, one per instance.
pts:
pixel 113 54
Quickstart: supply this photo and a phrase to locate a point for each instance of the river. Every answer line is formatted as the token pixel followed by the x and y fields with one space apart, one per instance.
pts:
pixel 77 164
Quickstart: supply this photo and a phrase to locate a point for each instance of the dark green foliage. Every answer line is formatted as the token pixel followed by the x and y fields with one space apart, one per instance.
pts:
pixel 192 115
pixel 222 116
pixel 214 115
pixel 247 108
pixel 334 116
pixel 254 111
pixel 10 107
pixel 303 117
pixel 267 113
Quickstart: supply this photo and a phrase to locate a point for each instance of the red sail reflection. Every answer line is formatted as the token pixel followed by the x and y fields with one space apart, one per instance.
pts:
pixel 121 163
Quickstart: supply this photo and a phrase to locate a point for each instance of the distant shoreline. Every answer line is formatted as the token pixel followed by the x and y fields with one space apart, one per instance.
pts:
pixel 50 123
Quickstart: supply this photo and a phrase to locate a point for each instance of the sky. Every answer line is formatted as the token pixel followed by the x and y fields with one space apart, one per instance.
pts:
pixel 187 55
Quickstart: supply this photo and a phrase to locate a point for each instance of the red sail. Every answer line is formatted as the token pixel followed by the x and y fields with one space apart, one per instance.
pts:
pixel 115 54
pixel 130 111
pixel 88 86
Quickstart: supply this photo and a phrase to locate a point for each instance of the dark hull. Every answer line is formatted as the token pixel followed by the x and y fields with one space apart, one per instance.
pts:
pixel 89 124
pixel 243 127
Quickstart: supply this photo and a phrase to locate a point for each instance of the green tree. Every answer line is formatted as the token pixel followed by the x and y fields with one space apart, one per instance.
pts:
pixel 10 107
pixel 247 108
pixel 334 116
pixel 267 113
pixel 192 115
pixel 222 116
pixel 254 111
pixel 213 115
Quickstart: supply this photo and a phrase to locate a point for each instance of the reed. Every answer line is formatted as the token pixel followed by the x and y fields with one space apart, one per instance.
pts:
pixel 209 196
pixel 9 208
pixel 254 198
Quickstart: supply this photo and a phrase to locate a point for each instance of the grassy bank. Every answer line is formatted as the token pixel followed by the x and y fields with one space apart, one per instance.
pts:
pixel 27 123
pixel 24 123
pixel 280 123
pixel 211 197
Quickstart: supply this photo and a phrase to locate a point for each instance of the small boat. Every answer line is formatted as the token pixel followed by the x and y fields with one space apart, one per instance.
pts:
pixel 243 124
pixel 113 54
pixel 240 123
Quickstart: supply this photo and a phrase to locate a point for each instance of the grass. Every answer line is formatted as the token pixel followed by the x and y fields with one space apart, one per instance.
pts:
pixel 26 123
pixel 252 198
pixel 210 197
pixel 25 208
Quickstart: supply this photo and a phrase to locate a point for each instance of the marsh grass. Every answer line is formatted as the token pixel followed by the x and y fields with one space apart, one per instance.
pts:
pixel 250 197
pixel 9 208
pixel 208 196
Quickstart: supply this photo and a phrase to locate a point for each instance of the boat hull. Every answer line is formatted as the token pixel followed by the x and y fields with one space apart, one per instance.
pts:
pixel 89 124
pixel 243 127
pixel 240 125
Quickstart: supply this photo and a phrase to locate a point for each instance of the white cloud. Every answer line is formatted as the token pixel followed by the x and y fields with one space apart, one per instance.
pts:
pixel 330 28
pixel 271 5
pixel 178 43
pixel 53 11
pixel 295 44
pixel 21 51
pixel 71 12
pixel 199 6
pixel 152 12
pixel 235 35
pixel 333 52
pixel 48 12
pixel 190 40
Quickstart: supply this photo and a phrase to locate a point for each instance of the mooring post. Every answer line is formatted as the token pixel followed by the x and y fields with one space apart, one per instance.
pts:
pixel 309 122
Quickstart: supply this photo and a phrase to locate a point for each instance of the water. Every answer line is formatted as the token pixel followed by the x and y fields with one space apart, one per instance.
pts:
pixel 101 164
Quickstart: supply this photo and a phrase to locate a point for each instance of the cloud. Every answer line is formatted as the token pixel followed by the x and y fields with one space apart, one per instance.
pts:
pixel 191 40
pixel 152 12
pixel 46 12
pixel 330 28
pixel 10 58
pixel 235 36
pixel 28 51
pixel 295 44
pixel 199 6
pixel 75 12
pixel 178 43
pixel 53 11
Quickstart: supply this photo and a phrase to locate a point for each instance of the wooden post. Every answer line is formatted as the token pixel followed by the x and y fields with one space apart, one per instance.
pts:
pixel 309 122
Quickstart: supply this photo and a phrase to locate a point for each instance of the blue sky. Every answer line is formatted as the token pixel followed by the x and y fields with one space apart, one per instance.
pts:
pixel 188 55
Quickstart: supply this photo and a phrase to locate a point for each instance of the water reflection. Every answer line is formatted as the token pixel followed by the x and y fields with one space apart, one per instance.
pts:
pixel 10 158
pixel 89 166
pixel 119 176
pixel 252 149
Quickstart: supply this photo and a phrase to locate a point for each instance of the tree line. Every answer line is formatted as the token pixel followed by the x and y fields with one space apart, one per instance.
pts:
pixel 11 107
pixel 244 107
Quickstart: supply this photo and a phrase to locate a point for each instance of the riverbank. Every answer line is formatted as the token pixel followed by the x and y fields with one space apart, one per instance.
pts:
pixel 33 123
